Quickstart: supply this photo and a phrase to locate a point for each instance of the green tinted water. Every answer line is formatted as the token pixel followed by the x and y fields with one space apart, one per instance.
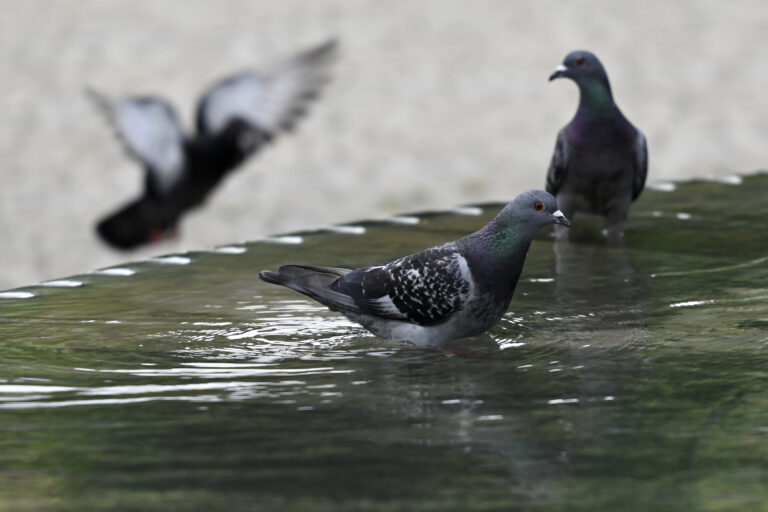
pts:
pixel 620 379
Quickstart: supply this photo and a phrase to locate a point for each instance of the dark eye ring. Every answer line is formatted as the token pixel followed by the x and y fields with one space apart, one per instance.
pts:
pixel 538 206
pixel 581 61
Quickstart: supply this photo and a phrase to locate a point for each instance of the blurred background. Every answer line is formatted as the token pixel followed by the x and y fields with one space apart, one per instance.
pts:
pixel 434 104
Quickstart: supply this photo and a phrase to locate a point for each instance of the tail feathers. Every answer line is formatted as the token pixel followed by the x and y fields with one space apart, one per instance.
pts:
pixel 134 225
pixel 315 282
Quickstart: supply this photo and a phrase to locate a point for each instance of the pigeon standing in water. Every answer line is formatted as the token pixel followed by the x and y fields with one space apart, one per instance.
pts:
pixel 235 117
pixel 601 160
pixel 450 291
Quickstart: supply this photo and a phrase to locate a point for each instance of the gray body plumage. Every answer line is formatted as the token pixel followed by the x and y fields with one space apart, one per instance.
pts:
pixel 600 161
pixel 450 291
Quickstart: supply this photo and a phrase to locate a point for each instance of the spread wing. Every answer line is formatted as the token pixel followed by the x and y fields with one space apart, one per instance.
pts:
pixel 425 288
pixel 270 100
pixel 641 165
pixel 558 165
pixel 150 131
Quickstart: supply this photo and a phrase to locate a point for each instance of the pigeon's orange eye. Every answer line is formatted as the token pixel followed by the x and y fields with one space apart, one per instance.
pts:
pixel 538 206
pixel 580 61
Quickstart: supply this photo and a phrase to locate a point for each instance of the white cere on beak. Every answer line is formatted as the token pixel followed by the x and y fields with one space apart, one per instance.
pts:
pixel 560 218
pixel 560 68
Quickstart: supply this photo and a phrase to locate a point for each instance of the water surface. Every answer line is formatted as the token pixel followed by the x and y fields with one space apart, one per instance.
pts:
pixel 620 379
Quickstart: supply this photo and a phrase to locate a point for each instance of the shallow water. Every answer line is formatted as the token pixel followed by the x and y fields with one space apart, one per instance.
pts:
pixel 620 379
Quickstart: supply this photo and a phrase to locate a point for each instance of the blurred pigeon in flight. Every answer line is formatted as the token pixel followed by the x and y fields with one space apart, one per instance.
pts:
pixel 601 160
pixel 453 290
pixel 235 117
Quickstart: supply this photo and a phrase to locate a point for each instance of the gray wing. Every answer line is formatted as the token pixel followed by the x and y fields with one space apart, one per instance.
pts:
pixel 558 165
pixel 426 288
pixel 150 131
pixel 641 165
pixel 272 99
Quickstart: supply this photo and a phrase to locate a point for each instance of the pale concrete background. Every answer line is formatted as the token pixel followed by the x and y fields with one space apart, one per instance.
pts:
pixel 435 103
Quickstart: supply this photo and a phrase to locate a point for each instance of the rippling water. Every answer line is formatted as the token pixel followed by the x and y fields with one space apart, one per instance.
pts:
pixel 620 379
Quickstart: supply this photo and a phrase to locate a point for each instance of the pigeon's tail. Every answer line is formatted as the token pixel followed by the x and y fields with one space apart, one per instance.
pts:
pixel 318 283
pixel 132 226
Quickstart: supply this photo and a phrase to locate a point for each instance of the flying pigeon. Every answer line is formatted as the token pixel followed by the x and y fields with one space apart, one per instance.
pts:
pixel 234 118
pixel 450 291
pixel 601 160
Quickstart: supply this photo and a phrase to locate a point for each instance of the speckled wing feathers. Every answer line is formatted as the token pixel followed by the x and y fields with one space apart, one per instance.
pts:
pixel 425 288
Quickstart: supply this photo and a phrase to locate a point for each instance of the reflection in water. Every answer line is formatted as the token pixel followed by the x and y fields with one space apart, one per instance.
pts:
pixel 273 383
pixel 599 277
pixel 257 404
pixel 601 284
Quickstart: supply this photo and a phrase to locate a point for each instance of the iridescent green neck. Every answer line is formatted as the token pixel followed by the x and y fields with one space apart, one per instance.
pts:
pixel 596 97
pixel 496 255
pixel 504 240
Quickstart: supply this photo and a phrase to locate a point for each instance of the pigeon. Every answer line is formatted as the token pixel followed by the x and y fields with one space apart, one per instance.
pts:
pixel 600 160
pixel 454 290
pixel 235 117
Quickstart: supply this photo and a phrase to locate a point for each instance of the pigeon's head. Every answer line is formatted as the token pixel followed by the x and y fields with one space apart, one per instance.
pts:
pixel 582 67
pixel 534 208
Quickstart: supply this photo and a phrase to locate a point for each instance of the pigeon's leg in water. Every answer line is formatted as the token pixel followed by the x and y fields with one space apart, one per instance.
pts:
pixel 614 230
pixel 614 222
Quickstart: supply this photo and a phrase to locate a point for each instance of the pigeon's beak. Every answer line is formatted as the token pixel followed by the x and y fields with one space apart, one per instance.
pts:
pixel 559 72
pixel 560 219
